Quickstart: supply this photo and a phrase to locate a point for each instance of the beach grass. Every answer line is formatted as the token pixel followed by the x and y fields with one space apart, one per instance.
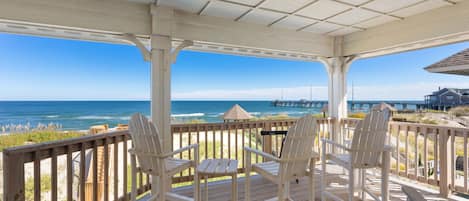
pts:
pixel 12 140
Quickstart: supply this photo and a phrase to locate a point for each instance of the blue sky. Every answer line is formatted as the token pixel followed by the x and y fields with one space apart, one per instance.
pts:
pixel 34 68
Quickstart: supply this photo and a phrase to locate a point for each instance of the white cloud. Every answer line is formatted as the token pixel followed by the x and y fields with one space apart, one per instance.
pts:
pixel 415 91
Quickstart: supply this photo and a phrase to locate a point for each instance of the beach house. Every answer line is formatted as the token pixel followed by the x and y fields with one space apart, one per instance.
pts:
pixel 446 98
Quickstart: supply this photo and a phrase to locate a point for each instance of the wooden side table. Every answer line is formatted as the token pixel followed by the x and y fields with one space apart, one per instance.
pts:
pixel 217 168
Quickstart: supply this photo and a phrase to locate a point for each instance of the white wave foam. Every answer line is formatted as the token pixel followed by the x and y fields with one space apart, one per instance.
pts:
pixel 188 115
pixel 52 116
pixel 96 117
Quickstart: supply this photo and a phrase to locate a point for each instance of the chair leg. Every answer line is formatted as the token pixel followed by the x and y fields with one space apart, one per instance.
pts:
pixel 206 187
pixel 234 188
pixel 323 173
pixel 281 194
pixel 287 190
pixel 351 184
pixel 362 183
pixel 311 196
pixel 312 189
pixel 196 187
pixel 162 188
pixel 247 188
pixel 155 185
pixel 154 192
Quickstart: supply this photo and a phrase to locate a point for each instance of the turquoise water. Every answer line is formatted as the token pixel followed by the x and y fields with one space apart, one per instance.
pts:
pixel 80 115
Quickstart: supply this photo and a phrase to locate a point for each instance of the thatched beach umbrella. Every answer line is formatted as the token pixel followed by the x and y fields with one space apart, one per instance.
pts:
pixel 236 113
pixel 457 64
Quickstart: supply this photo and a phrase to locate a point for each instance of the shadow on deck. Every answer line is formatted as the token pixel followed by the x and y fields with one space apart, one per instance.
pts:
pixel 262 189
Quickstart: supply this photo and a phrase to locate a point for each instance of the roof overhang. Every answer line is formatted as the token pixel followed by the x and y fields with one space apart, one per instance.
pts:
pixel 457 70
pixel 107 21
pixel 449 24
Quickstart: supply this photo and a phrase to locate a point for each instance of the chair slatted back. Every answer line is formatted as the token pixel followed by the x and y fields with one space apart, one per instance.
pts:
pixel 298 147
pixel 369 137
pixel 146 140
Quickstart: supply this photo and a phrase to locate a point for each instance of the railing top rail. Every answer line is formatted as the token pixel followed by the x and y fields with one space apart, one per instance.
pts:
pixel 432 126
pixel 419 125
pixel 247 122
pixel 62 143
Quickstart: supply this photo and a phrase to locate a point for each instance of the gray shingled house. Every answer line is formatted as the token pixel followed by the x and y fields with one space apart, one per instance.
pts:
pixel 446 98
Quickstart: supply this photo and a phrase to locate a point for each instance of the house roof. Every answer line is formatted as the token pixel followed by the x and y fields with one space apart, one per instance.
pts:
pixel 452 90
pixel 455 64
pixel 236 113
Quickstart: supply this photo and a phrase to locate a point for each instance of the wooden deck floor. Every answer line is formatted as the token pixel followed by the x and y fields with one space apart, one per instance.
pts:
pixel 262 189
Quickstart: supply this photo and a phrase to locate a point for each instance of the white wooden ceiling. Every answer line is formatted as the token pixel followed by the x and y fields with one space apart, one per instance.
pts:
pixel 329 17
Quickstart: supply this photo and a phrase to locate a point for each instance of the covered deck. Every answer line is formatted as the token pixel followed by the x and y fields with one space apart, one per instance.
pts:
pixel 108 180
pixel 263 189
pixel 335 33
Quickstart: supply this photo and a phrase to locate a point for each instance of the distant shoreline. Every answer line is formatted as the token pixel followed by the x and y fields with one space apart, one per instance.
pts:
pixel 195 100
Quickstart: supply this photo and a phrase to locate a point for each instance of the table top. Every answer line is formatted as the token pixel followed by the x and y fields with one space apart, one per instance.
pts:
pixel 218 167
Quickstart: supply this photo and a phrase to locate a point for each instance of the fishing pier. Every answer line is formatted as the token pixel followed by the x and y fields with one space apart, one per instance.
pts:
pixel 401 105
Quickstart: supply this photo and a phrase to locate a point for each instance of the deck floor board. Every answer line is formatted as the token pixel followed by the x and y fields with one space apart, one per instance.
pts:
pixel 262 189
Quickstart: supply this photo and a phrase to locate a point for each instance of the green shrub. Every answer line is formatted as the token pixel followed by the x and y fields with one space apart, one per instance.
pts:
pixel 12 140
pixel 460 111
pixel 195 121
pixel 359 115
pixel 275 117
pixel 45 187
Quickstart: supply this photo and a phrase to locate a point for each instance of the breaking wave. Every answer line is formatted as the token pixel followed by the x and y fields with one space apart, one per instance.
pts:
pixel 189 115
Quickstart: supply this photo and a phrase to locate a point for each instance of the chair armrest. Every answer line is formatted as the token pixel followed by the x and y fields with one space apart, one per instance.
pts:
pixel 133 152
pixel 263 154
pixel 326 141
pixel 186 148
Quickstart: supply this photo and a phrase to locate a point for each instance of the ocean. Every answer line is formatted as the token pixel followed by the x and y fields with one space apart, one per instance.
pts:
pixel 80 115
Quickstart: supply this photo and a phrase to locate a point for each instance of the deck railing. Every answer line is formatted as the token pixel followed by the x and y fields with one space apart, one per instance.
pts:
pixel 72 155
pixel 74 174
pixel 426 153
pixel 436 155
pixel 226 140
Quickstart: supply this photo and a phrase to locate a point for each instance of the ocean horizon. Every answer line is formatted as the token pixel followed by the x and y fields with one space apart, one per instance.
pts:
pixel 81 114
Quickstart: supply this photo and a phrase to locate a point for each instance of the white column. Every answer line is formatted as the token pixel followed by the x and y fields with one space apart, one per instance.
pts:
pixel 160 44
pixel 337 86
pixel 337 68
pixel 161 87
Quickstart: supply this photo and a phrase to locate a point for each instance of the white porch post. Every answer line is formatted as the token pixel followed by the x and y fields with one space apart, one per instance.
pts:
pixel 160 44
pixel 337 68
pixel 160 87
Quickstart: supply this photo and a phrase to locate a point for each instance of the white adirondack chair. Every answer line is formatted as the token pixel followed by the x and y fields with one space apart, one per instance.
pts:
pixel 366 151
pixel 293 163
pixel 147 148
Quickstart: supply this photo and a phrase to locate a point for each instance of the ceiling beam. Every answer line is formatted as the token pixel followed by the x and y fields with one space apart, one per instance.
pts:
pixel 101 16
pixel 449 24
pixel 217 30
pixel 85 19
